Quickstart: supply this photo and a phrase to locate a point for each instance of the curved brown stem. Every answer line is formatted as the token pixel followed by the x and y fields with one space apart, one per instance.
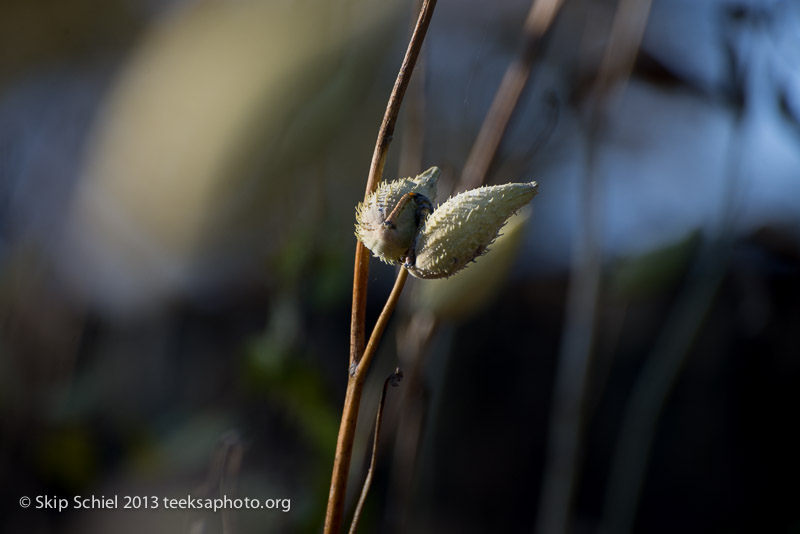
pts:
pixel 352 400
pixel 572 382
pixel 361 271
pixel 359 355
pixel 393 379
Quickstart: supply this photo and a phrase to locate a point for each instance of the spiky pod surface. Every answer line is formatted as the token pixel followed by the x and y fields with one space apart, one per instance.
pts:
pixel 462 228
pixel 391 243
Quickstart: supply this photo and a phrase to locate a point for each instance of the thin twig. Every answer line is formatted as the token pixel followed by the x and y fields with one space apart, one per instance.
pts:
pixel 358 363
pixel 380 324
pixel 361 270
pixel 222 478
pixel 670 353
pixel 653 386
pixel 565 435
pixel 393 379
pixel 412 141
pixel 352 400
pixel 484 149
pixel 412 145
pixel 566 421
pixel 228 485
pixel 494 126
pixel 410 418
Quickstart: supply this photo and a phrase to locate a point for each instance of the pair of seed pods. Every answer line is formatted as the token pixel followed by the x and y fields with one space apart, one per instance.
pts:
pixel 399 224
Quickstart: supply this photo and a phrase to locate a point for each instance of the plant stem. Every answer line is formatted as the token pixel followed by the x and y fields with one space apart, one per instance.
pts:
pixel 566 429
pixel 393 379
pixel 494 125
pixel 412 140
pixel 408 430
pixel 352 399
pixel 361 270
pixel 359 357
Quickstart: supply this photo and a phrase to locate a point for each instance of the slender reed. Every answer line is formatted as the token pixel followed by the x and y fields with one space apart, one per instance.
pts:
pixel 484 149
pixel 360 355
pixel 565 435
pixel 494 125
pixel 393 379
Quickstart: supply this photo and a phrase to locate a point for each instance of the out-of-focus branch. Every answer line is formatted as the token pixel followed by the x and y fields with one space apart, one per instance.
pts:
pixel 539 18
pixel 393 379
pixel 494 126
pixel 412 141
pixel 412 352
pixel 565 436
pixel 671 351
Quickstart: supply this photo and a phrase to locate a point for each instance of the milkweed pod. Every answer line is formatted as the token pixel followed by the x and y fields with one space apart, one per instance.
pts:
pixel 462 228
pixel 387 222
pixel 471 290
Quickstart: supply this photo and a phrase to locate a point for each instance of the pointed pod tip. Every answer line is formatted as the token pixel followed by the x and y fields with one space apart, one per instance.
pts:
pixel 431 174
pixel 464 227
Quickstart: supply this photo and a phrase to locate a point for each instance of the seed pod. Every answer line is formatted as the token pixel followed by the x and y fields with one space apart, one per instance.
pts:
pixel 472 289
pixel 388 221
pixel 462 228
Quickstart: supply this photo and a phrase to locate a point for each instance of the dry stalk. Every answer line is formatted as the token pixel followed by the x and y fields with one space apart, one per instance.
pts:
pixel 360 355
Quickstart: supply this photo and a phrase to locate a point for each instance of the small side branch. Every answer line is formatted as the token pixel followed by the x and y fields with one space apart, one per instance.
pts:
pixel 361 270
pixel 505 100
pixel 393 379
pixel 359 359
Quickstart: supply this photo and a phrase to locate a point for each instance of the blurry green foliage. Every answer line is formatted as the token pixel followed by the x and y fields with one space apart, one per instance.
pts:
pixel 187 443
pixel 320 268
pixel 68 457
pixel 275 367
pixel 643 276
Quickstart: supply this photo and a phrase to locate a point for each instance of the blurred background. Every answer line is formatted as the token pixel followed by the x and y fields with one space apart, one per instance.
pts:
pixel 178 181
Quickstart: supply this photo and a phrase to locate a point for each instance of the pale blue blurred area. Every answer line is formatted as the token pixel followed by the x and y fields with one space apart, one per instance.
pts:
pixel 45 119
pixel 663 160
pixel 669 153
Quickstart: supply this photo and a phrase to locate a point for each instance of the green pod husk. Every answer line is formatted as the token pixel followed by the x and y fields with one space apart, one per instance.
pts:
pixel 471 290
pixel 462 228
pixel 391 244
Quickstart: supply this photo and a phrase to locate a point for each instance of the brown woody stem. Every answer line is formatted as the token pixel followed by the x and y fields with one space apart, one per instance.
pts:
pixel 393 379
pixel 359 357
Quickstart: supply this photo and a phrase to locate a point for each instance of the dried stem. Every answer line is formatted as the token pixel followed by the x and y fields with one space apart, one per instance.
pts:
pixel 357 319
pixel 505 100
pixel 359 357
pixel 352 400
pixel 222 477
pixel 380 325
pixel 484 149
pixel 413 137
pixel 565 436
pixel 393 379
pixel 653 386
pixel 409 421
pixel 670 353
